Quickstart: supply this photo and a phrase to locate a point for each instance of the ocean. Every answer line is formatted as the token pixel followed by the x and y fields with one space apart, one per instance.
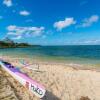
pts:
pixel 84 54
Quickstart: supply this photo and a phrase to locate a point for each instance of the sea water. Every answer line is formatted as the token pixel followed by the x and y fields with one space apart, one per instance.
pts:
pixel 85 54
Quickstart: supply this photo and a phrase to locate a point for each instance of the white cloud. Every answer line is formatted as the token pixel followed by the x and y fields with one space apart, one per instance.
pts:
pixel 11 33
pixel 85 42
pixel 89 21
pixel 93 41
pixel 8 3
pixel 11 28
pixel 62 24
pixel 24 13
pixel 20 32
pixel 17 37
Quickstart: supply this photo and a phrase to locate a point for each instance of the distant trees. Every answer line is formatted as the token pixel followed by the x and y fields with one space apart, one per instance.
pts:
pixel 8 43
pixel 8 40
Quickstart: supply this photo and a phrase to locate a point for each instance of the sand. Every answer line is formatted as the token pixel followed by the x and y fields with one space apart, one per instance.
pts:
pixel 62 82
pixel 6 91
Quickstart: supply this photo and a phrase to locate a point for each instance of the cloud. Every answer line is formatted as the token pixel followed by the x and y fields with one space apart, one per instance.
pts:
pixel 20 32
pixel 17 37
pixel 11 28
pixel 8 3
pixel 24 13
pixel 65 23
pixel 93 41
pixel 85 42
pixel 89 21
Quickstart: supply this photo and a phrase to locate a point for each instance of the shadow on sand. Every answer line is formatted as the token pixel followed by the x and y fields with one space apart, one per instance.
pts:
pixel 50 96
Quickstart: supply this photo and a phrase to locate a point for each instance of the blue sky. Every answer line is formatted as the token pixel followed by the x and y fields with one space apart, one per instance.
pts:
pixel 51 22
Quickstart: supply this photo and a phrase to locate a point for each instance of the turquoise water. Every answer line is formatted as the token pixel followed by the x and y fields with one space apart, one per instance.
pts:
pixel 89 54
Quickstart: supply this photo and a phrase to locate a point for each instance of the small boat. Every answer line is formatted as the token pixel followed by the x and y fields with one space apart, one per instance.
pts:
pixel 24 79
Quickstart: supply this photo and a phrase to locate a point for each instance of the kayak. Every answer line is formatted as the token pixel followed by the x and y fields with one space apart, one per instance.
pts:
pixel 32 85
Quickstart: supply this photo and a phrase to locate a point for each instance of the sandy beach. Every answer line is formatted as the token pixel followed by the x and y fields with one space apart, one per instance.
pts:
pixel 62 82
pixel 49 49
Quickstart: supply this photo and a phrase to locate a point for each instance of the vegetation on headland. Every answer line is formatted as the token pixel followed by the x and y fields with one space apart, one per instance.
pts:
pixel 8 43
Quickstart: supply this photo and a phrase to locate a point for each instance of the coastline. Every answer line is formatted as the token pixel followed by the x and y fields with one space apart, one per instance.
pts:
pixel 18 60
pixel 61 80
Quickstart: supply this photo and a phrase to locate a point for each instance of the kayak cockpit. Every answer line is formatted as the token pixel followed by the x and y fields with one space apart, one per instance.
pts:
pixel 10 67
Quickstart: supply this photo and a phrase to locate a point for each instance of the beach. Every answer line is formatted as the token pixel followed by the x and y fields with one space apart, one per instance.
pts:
pixel 50 50
pixel 62 82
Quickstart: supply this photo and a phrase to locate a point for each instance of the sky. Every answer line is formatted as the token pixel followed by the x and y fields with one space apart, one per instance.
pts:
pixel 51 22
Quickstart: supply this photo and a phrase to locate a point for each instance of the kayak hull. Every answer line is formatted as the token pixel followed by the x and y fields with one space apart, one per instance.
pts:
pixel 25 80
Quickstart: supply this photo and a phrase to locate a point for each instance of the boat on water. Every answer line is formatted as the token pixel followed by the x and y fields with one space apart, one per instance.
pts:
pixel 32 85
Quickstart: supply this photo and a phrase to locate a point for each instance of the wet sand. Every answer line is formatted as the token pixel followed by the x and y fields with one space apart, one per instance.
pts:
pixel 62 82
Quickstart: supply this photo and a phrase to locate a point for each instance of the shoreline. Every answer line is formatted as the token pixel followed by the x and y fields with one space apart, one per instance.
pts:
pixel 31 61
